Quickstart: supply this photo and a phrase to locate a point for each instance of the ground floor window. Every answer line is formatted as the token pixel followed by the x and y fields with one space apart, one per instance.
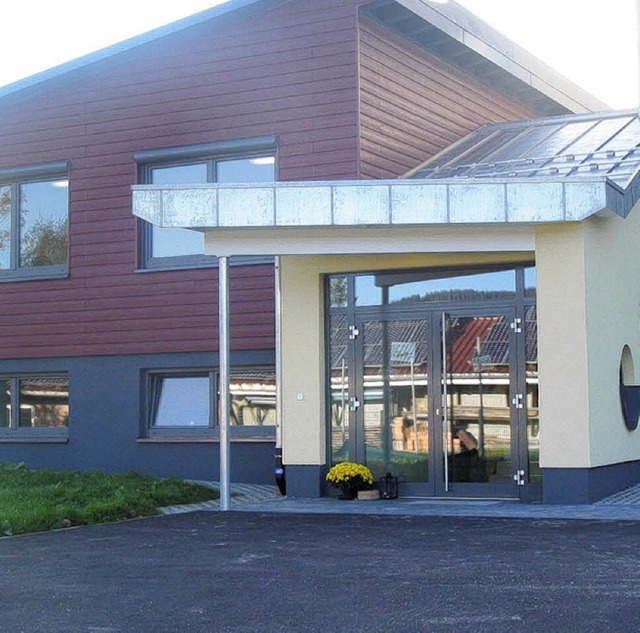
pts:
pixel 179 402
pixel 34 406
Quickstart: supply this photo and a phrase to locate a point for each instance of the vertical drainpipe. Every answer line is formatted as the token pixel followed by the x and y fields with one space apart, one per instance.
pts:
pixel 225 401
pixel 279 470
pixel 638 52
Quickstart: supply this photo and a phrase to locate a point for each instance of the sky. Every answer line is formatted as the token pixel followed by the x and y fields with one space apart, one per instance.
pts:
pixel 593 43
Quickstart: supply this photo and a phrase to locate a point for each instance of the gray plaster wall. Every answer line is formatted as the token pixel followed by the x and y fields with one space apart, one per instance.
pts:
pixel 586 485
pixel 106 421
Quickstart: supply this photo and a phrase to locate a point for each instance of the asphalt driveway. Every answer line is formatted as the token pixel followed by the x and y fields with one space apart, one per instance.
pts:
pixel 244 572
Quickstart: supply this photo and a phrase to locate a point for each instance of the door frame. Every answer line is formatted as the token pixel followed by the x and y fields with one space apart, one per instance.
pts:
pixel 518 457
pixel 432 313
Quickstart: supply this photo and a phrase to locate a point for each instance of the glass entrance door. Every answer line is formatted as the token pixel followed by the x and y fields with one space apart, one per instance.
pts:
pixel 480 404
pixel 393 360
pixel 433 377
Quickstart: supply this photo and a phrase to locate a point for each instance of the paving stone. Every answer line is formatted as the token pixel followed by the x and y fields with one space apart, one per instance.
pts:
pixel 624 505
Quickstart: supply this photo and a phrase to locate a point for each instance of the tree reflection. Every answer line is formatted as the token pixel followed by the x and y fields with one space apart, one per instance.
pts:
pixel 5 226
pixel 45 243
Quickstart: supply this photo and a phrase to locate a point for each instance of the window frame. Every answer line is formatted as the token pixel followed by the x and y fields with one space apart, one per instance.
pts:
pixel 151 397
pixel 17 433
pixel 210 154
pixel 14 178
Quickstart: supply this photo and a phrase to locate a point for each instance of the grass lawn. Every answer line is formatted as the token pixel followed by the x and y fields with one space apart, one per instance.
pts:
pixel 36 500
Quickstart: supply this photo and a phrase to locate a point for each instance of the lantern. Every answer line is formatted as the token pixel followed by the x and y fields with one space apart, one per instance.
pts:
pixel 389 487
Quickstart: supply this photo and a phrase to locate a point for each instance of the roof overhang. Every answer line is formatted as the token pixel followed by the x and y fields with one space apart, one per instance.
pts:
pixel 379 203
pixel 454 34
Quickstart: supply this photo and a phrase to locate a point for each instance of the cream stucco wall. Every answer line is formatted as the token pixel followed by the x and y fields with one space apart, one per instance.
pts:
pixel 588 309
pixel 562 346
pixel 612 259
pixel 303 366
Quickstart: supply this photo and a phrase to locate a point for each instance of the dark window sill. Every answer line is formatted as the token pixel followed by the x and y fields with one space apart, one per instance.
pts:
pixel 34 274
pixel 37 439
pixel 165 266
pixel 237 434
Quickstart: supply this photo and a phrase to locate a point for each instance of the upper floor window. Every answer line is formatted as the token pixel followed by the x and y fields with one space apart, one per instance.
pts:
pixel 34 223
pixel 171 247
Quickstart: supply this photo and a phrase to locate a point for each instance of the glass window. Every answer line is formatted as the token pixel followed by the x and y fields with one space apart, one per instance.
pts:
pixel 5 404
pixel 256 169
pixel 449 287
pixel 34 231
pixel 169 246
pixel 253 398
pixel 5 227
pixel 43 403
pixel 530 282
pixel 368 292
pixel 182 400
pixel 44 234
pixel 338 292
pixel 177 242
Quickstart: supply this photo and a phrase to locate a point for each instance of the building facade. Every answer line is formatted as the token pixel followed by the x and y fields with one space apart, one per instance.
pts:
pixel 109 342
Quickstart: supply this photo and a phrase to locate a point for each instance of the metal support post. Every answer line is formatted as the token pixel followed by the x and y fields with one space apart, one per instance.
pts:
pixel 225 401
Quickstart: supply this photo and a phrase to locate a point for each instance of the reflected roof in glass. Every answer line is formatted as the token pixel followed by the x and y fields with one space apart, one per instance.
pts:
pixel 567 147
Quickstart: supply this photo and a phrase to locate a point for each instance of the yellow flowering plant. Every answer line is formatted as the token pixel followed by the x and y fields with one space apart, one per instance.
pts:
pixel 350 478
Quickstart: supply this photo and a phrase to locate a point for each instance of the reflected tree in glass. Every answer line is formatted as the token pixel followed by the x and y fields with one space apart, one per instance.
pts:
pixel 338 292
pixel 44 232
pixel 5 227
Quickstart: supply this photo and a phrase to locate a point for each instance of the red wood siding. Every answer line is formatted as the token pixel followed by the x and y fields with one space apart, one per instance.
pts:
pixel 413 105
pixel 290 71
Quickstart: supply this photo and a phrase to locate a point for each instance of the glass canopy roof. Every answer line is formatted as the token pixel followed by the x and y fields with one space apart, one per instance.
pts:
pixel 566 147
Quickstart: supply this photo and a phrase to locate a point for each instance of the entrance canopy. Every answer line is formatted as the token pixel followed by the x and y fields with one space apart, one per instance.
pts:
pixel 503 176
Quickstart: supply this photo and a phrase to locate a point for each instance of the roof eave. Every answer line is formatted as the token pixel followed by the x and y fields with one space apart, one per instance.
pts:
pixel 375 203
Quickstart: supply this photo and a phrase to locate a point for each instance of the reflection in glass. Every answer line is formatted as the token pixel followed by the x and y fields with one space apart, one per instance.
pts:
pixel 181 401
pixel 44 233
pixel 253 398
pixel 396 423
pixel 255 169
pixel 434 286
pixel 5 227
pixel 339 378
pixel 5 404
pixel 338 292
pixel 478 407
pixel 530 282
pixel 168 242
pixel 44 402
pixel 366 291
pixel 533 421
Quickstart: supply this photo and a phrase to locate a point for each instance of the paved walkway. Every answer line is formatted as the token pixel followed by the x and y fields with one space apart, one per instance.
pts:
pixel 624 505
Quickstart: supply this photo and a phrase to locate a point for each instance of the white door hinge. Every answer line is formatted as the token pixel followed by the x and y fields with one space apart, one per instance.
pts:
pixel 516 325
pixel 519 477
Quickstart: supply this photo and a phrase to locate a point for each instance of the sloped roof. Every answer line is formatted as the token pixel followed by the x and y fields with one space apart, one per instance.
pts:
pixel 570 147
pixel 450 31
pixel 121 47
